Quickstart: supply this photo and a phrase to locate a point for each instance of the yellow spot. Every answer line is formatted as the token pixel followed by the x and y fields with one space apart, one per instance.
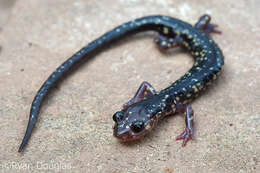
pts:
pixel 209 83
pixel 185 102
pixel 168 113
pixel 165 30
pixel 202 54
pixel 188 95
pixel 159 114
pixel 164 43
pixel 198 68
pixel 196 53
pixel 177 98
pixel 195 88
pixel 148 127
pixel 185 44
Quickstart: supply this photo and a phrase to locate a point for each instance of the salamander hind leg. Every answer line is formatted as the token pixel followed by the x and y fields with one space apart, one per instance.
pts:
pixel 205 25
pixel 189 130
pixel 144 91
pixel 165 42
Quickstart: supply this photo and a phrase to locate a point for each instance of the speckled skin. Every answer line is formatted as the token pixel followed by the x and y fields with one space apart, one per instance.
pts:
pixel 208 63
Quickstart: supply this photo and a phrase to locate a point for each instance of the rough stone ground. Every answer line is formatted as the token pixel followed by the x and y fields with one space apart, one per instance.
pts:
pixel 74 131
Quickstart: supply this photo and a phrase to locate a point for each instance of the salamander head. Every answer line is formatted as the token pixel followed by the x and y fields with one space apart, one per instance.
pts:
pixel 133 123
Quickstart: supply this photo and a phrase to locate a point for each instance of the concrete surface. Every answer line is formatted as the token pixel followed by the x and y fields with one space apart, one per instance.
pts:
pixel 74 131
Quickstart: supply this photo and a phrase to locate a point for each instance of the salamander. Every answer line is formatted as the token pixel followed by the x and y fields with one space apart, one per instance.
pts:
pixel 140 114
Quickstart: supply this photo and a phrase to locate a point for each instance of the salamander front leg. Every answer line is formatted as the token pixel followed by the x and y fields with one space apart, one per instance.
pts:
pixel 205 25
pixel 166 42
pixel 144 91
pixel 189 130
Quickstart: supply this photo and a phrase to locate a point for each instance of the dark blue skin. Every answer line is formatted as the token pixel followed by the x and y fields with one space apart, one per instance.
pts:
pixel 141 113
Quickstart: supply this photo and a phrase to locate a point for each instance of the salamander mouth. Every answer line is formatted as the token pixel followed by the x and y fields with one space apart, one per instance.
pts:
pixel 128 136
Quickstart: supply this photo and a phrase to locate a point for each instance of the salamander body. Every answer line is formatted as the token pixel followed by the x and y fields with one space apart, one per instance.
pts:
pixel 139 115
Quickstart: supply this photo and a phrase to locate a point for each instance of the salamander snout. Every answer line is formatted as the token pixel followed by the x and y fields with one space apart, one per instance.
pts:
pixel 131 124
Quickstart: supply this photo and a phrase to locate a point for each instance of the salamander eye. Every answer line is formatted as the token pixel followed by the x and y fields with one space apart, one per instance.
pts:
pixel 118 116
pixel 137 126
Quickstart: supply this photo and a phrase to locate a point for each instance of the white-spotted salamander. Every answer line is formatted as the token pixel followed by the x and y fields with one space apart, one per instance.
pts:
pixel 139 115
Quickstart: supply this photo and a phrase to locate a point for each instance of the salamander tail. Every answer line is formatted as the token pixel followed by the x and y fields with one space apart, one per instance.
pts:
pixel 26 136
